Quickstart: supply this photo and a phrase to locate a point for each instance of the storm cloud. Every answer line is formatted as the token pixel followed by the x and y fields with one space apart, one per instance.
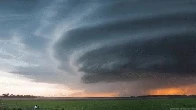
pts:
pixel 115 47
pixel 130 40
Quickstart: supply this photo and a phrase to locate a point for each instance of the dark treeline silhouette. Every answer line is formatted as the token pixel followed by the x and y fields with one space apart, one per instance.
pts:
pixel 18 96
pixel 89 98
pixel 167 96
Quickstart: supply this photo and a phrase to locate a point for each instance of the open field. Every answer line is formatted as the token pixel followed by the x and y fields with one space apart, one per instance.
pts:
pixel 98 104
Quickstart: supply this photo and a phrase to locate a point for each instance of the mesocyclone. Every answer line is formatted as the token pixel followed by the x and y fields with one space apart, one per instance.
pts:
pixel 118 40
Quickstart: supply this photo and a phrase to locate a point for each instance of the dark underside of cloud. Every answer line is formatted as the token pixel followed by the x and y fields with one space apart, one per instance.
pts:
pixel 131 40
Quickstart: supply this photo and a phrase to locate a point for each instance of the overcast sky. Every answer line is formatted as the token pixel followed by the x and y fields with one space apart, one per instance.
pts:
pixel 97 47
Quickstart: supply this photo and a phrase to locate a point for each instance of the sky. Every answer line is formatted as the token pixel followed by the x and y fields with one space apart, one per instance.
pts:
pixel 97 48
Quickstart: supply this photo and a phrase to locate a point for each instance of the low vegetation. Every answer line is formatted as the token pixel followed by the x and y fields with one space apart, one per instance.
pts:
pixel 136 104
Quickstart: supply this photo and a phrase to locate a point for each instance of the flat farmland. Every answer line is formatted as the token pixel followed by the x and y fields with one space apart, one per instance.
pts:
pixel 99 104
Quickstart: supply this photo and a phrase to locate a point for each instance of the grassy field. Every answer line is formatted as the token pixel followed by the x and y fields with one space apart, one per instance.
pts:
pixel 138 104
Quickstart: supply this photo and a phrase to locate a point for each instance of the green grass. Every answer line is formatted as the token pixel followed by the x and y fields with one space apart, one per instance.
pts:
pixel 147 104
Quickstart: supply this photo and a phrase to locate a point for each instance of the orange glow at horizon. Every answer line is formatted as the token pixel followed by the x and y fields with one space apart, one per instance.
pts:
pixel 184 90
pixel 167 91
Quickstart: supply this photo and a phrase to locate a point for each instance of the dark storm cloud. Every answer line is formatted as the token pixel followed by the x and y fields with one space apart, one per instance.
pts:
pixel 130 40
pixel 23 17
pixel 18 6
pixel 15 15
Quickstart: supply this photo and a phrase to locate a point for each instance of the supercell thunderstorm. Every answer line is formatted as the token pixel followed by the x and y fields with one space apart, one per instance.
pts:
pixel 129 40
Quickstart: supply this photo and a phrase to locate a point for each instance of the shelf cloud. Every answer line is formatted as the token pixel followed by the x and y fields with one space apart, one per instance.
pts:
pixel 131 40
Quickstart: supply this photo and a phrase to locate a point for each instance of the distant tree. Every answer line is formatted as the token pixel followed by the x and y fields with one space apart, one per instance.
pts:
pixel 6 95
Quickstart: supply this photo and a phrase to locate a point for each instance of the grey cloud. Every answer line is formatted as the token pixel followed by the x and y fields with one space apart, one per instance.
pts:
pixel 35 42
pixel 133 43
pixel 19 6
pixel 40 74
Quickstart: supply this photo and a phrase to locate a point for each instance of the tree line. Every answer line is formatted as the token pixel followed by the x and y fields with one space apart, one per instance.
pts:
pixel 12 95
